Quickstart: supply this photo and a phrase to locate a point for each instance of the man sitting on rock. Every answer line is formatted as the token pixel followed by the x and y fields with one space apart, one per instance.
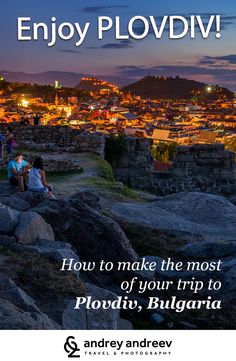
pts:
pixel 17 170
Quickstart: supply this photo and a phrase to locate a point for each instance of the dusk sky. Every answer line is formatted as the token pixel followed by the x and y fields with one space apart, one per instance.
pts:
pixel 209 60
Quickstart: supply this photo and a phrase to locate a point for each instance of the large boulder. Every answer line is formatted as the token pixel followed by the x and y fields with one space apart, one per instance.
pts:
pixel 15 202
pixel 54 250
pixel 125 325
pixel 18 310
pixel 14 318
pixel 9 219
pixel 28 198
pixel 31 228
pixel 90 198
pixel 22 201
pixel 208 250
pixel 101 319
pixel 12 293
pixel 72 319
pixel 6 241
pixel 84 319
pixel 95 236
pixel 197 215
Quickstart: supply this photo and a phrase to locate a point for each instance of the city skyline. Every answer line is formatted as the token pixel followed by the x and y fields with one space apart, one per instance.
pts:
pixel 210 60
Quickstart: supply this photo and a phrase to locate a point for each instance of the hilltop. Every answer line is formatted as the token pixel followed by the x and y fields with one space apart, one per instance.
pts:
pixel 175 88
pixel 148 87
pixel 93 84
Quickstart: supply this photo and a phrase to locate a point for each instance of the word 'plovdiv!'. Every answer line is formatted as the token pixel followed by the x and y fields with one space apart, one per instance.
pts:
pixel 138 27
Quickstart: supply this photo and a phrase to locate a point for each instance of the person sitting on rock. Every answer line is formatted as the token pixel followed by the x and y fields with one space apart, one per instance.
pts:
pixel 10 143
pixel 18 168
pixel 37 178
pixel 2 139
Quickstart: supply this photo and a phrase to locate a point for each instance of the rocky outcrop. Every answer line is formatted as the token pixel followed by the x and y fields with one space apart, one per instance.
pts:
pixel 110 318
pixel 9 219
pixel 14 318
pixel 89 198
pixel 19 311
pixel 35 295
pixel 28 225
pixel 82 319
pixel 95 236
pixel 210 251
pixel 203 216
pixel 31 228
pixel 76 220
pixel 54 250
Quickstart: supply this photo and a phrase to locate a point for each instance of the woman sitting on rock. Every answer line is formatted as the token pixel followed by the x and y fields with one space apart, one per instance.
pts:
pixel 37 178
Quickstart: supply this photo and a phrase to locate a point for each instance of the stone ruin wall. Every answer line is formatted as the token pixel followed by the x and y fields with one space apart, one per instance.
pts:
pixel 200 167
pixel 203 159
pixel 56 138
pixel 197 168
pixel 136 164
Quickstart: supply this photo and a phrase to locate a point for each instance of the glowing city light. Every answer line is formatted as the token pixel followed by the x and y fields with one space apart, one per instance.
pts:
pixel 57 84
pixel 24 103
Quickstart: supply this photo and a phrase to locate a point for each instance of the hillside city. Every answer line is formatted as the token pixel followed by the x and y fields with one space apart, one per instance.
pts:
pixel 206 114
pixel 96 172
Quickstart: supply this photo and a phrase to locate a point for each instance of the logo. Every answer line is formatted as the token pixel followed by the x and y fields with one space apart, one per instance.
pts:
pixel 71 347
pixel 134 348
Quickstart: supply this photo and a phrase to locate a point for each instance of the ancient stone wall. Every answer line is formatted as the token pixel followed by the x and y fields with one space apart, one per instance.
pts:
pixel 57 165
pixel 203 159
pixel 136 163
pixel 169 183
pixel 50 138
pixel 197 168
pixel 201 167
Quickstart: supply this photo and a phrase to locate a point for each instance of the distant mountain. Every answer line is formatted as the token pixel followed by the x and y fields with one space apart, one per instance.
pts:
pixel 148 87
pixel 173 88
pixel 67 79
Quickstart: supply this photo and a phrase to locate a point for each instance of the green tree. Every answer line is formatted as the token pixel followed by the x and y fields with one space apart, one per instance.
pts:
pixel 164 151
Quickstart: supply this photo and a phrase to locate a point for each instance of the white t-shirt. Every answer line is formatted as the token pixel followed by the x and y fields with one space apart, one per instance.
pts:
pixel 35 180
